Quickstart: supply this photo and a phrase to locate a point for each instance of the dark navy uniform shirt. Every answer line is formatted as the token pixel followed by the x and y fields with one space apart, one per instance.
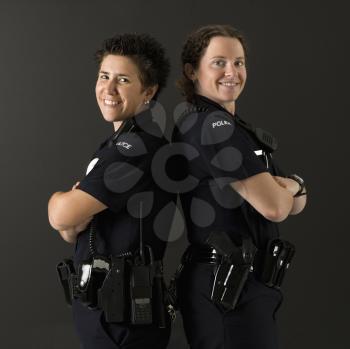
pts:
pixel 120 176
pixel 220 151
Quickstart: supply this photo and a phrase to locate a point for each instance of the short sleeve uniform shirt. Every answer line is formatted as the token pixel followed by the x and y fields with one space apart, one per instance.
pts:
pixel 120 176
pixel 220 151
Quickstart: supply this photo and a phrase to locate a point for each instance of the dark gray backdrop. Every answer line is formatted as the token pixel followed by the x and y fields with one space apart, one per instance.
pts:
pixel 50 125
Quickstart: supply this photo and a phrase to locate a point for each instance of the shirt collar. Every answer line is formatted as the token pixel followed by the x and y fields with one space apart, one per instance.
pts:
pixel 202 101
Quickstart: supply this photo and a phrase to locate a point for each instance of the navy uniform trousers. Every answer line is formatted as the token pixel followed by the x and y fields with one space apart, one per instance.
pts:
pixel 95 333
pixel 251 325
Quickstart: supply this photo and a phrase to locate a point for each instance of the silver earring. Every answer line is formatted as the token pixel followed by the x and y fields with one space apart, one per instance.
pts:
pixel 146 102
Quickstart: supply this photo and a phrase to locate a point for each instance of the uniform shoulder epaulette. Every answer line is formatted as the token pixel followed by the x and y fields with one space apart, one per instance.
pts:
pixel 262 136
pixel 191 110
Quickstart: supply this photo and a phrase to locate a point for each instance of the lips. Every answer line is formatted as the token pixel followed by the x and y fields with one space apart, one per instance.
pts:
pixel 229 83
pixel 110 102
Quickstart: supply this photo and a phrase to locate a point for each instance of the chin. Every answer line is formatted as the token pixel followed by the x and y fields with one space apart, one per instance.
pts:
pixel 227 99
pixel 110 118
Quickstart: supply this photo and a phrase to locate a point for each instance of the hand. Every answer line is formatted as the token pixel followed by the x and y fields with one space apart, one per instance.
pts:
pixel 280 181
pixel 75 185
pixel 71 233
pixel 287 183
pixel 81 227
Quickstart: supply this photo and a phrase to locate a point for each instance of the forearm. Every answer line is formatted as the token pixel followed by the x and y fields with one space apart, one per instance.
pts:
pixel 293 187
pixel 52 207
pixel 53 202
pixel 68 232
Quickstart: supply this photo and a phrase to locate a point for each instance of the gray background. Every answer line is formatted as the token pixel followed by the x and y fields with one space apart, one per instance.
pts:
pixel 50 125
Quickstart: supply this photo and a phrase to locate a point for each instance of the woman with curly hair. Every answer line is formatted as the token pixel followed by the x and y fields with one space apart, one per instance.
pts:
pixel 228 289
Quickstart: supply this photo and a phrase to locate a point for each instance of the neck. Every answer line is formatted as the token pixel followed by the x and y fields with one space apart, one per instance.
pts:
pixel 116 125
pixel 230 107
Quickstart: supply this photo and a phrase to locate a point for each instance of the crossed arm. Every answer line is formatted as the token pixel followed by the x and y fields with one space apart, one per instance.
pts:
pixel 271 196
pixel 70 212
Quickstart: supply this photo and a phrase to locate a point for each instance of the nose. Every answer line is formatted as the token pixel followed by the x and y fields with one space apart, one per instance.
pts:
pixel 111 87
pixel 230 69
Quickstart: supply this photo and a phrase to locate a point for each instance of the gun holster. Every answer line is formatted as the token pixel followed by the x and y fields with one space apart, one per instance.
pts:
pixel 112 295
pixel 66 273
pixel 233 270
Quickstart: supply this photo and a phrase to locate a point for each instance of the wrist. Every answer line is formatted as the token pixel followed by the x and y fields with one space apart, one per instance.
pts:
pixel 300 181
pixel 301 194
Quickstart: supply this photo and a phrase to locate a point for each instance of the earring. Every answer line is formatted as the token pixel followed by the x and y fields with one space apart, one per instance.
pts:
pixel 146 102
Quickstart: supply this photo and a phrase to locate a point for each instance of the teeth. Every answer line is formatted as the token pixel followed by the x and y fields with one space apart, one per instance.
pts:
pixel 109 102
pixel 229 83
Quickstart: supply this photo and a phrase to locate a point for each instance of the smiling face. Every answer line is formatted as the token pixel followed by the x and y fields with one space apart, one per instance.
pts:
pixel 221 74
pixel 119 91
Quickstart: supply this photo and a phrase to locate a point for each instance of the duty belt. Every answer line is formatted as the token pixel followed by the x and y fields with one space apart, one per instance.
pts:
pixel 269 265
pixel 124 289
pixel 202 254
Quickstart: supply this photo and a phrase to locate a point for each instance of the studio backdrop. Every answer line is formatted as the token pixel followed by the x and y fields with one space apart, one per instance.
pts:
pixel 297 88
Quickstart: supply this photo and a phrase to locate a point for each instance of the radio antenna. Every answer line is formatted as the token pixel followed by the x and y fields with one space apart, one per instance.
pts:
pixel 141 234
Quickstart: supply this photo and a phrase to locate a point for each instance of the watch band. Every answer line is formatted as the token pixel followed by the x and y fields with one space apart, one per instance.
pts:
pixel 301 183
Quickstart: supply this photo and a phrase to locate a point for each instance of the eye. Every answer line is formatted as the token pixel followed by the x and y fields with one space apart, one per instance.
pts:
pixel 103 76
pixel 219 63
pixel 123 80
pixel 239 64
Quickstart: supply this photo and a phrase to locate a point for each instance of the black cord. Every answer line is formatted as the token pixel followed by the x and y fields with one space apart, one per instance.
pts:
pixel 92 237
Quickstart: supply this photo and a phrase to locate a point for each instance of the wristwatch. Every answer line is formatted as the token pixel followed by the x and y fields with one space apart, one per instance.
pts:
pixel 301 183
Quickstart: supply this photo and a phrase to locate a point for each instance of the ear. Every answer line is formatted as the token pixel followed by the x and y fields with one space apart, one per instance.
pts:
pixel 150 92
pixel 189 71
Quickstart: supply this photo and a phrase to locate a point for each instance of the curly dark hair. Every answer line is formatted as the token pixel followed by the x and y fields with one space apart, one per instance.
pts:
pixel 147 53
pixel 194 49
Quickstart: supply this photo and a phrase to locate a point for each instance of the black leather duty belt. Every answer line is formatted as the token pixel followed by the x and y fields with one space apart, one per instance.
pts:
pixel 269 265
pixel 202 254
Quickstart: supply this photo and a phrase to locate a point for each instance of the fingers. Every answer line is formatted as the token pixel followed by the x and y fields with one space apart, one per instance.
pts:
pixel 280 181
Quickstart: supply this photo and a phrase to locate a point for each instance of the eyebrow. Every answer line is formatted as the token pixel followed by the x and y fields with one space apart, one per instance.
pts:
pixel 226 57
pixel 107 73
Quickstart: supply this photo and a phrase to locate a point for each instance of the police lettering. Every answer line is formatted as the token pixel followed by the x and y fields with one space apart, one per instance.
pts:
pixel 220 123
pixel 124 145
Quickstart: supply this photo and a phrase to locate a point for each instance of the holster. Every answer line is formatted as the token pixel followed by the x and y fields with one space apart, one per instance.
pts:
pixel 277 258
pixel 124 291
pixel 233 264
pixel 112 295
pixel 233 270
pixel 66 273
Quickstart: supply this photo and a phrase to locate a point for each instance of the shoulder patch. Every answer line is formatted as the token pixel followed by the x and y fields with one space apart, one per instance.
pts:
pixel 220 123
pixel 217 127
pixel 130 144
pixel 124 145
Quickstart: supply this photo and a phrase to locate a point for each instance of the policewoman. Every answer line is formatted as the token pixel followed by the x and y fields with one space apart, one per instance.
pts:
pixel 229 284
pixel 116 209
